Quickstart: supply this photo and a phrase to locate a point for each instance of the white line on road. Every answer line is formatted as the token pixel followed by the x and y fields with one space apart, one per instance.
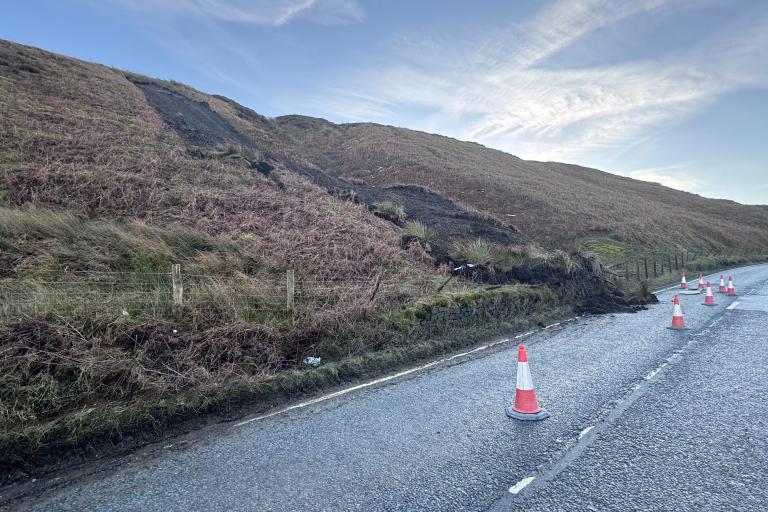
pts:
pixel 522 484
pixel 391 377
pixel 733 306
pixel 585 431
pixel 654 372
pixel 368 384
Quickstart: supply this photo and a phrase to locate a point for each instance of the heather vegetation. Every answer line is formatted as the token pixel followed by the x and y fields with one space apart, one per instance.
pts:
pixel 108 179
pixel 555 204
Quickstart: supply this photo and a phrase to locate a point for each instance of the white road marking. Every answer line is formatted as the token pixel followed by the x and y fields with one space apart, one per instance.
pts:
pixel 652 374
pixel 522 484
pixel 368 384
pixel 733 306
pixel 391 377
pixel 585 431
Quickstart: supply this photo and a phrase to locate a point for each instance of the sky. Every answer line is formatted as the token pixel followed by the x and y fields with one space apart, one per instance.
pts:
pixel 670 91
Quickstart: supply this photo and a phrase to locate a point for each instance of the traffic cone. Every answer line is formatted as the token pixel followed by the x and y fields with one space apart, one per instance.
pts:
pixel 526 406
pixel 721 288
pixel 730 290
pixel 701 281
pixel 709 298
pixel 678 324
pixel 683 283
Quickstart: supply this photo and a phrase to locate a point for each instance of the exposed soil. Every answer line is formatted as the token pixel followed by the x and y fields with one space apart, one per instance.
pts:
pixel 448 221
pixel 194 120
pixel 199 125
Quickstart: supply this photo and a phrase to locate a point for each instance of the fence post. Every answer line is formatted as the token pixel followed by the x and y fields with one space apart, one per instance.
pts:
pixel 290 286
pixel 178 287
pixel 654 266
pixel 626 270
pixel 637 263
pixel 676 266
pixel 645 265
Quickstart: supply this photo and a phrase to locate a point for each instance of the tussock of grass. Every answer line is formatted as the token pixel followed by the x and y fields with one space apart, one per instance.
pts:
pixel 238 152
pixel 477 252
pixel 390 210
pixel 507 257
pixel 419 230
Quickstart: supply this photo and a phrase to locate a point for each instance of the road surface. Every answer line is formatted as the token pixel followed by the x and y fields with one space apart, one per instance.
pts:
pixel 643 418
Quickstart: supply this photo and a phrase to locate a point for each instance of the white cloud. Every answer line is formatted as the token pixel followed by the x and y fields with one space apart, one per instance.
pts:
pixel 496 91
pixel 257 12
pixel 676 176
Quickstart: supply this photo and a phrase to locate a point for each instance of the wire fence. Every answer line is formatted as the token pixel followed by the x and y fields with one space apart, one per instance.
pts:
pixel 269 299
pixel 275 299
pixel 654 265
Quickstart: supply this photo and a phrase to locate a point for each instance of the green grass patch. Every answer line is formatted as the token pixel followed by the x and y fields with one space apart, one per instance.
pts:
pixel 609 251
pixel 390 210
pixel 418 230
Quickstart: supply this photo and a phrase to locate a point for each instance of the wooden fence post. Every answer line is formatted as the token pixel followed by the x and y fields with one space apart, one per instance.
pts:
pixel 637 263
pixel 290 286
pixel 645 265
pixel 626 270
pixel 654 266
pixel 178 287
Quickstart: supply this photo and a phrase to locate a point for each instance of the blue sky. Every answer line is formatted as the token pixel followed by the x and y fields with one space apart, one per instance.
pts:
pixel 672 91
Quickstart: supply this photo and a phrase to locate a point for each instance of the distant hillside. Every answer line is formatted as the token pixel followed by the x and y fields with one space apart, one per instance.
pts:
pixel 557 204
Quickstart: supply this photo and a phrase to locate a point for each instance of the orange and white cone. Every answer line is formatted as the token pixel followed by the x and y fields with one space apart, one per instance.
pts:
pixel 730 290
pixel 683 283
pixel 678 323
pixel 701 281
pixel 526 407
pixel 721 288
pixel 709 298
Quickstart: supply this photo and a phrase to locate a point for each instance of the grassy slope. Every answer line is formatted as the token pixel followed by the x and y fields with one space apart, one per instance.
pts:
pixel 557 204
pixel 92 179
pixel 81 136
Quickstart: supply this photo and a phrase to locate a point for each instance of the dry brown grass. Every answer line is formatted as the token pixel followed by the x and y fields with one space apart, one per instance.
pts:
pixel 556 204
pixel 82 137
pixel 94 182
pixel 97 193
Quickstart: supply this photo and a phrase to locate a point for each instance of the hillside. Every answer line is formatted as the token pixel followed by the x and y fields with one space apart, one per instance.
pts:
pixel 554 203
pixel 166 253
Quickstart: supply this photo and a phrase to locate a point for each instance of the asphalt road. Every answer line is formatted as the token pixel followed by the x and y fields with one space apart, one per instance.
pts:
pixel 679 420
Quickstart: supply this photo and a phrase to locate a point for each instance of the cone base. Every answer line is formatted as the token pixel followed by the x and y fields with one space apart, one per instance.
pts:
pixel 538 416
pixel 691 292
pixel 678 328
pixel 709 304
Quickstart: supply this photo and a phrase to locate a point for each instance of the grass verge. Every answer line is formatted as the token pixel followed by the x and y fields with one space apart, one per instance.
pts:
pixel 117 425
